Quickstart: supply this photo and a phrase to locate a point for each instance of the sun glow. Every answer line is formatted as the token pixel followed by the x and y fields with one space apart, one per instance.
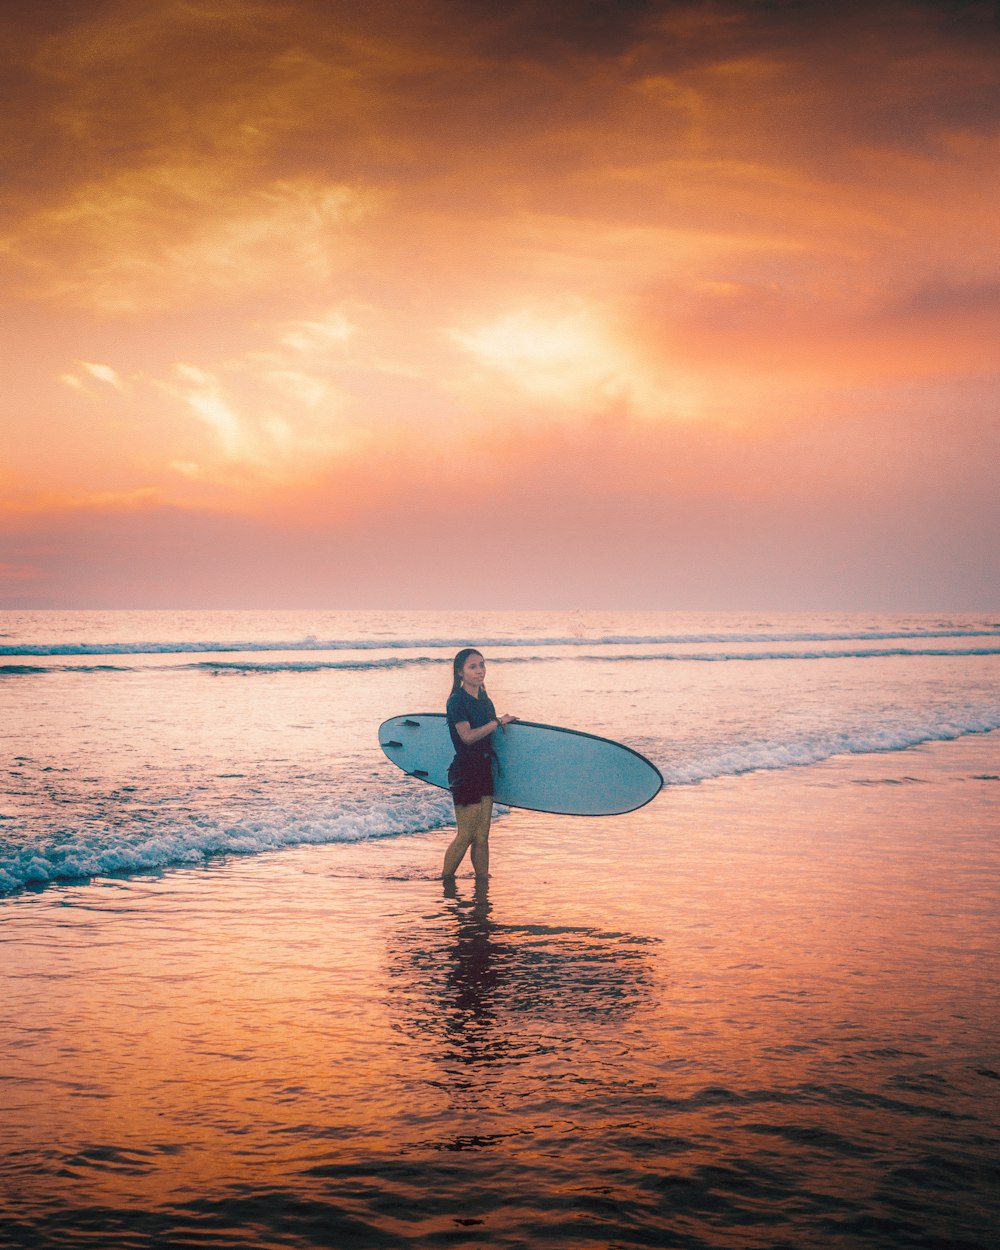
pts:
pixel 574 360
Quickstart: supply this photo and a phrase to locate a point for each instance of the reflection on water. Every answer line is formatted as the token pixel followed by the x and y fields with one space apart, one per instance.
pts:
pixel 475 991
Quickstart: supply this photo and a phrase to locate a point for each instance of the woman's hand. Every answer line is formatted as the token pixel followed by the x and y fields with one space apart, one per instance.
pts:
pixel 504 721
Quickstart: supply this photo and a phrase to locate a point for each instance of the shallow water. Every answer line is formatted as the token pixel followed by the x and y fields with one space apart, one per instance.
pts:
pixel 761 1012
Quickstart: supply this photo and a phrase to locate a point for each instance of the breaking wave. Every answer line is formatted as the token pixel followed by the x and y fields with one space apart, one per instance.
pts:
pixel 82 854
pixel 748 756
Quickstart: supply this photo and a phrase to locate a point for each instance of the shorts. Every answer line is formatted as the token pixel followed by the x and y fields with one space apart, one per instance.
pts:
pixel 471 779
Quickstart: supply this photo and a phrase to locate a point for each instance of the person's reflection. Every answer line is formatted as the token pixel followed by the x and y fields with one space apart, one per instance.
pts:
pixel 475 993
pixel 475 965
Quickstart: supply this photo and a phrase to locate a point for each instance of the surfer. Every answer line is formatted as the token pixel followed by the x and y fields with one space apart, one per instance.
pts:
pixel 472 722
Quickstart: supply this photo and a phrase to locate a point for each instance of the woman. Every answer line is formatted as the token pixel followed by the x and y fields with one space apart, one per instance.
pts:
pixel 472 722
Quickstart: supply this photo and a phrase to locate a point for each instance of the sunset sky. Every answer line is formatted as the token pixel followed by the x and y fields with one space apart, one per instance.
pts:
pixel 417 303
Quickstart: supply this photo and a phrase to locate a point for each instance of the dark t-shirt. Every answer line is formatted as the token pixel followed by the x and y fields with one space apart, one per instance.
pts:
pixel 478 712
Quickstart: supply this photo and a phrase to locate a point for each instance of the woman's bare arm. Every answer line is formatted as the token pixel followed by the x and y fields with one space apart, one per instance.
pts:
pixel 469 735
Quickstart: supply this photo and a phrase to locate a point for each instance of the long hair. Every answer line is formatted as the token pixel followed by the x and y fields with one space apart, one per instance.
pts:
pixel 458 663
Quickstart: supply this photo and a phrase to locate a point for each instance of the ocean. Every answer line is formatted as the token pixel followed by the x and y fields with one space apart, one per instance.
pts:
pixel 141 740
pixel 240 1009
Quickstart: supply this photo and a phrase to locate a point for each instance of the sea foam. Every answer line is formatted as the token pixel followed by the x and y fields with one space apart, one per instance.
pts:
pixel 816 746
pixel 87 853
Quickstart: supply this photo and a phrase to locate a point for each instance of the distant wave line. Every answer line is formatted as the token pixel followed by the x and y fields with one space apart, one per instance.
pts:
pixel 399 644
pixel 247 667
pixel 308 666
pixel 855 654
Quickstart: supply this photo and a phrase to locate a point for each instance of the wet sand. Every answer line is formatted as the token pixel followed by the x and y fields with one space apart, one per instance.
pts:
pixel 761 1012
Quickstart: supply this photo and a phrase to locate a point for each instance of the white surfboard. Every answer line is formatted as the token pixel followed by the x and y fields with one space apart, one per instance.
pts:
pixel 539 767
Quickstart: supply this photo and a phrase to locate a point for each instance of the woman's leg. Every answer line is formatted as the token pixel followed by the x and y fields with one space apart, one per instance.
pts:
pixel 467 819
pixel 481 837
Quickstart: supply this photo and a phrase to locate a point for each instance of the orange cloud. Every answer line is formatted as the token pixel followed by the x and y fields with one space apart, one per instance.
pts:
pixel 167 236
